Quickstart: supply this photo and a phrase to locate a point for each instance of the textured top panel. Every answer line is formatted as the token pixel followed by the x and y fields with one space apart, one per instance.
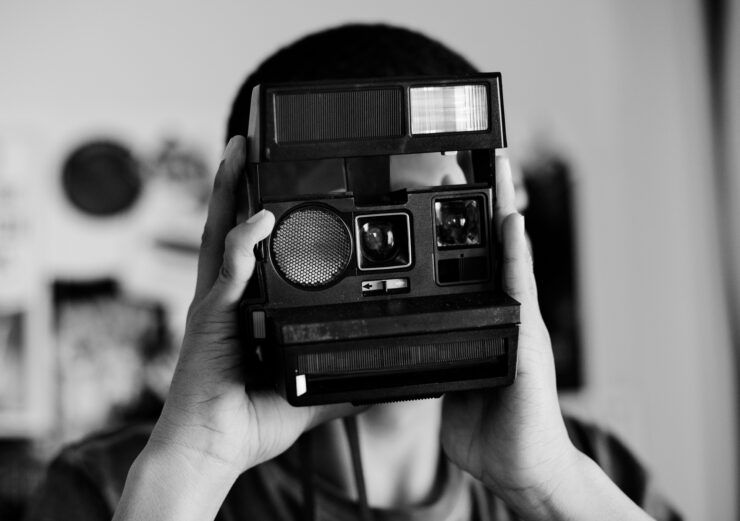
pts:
pixel 314 117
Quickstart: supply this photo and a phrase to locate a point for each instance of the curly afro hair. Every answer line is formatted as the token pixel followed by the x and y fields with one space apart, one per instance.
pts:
pixel 345 52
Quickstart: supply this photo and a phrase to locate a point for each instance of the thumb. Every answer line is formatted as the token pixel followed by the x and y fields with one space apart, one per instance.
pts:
pixel 518 275
pixel 238 262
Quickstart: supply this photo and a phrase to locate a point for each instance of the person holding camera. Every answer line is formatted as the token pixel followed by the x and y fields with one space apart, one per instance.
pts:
pixel 217 451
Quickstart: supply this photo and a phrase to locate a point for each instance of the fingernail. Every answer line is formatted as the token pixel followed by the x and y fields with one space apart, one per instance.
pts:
pixel 520 218
pixel 229 147
pixel 256 217
pixel 502 152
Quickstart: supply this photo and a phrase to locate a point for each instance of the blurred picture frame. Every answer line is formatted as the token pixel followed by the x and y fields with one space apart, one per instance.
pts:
pixel 26 373
pixel 107 345
pixel 550 222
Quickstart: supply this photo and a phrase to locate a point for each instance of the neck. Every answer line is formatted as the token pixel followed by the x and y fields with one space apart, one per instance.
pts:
pixel 400 451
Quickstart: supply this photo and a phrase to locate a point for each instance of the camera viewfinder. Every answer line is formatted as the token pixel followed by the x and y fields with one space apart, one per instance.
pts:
pixel 458 223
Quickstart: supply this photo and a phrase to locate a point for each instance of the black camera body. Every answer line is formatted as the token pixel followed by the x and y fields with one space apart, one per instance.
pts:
pixel 375 293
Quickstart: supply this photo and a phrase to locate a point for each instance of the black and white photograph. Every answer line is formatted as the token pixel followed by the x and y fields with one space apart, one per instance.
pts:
pixel 375 261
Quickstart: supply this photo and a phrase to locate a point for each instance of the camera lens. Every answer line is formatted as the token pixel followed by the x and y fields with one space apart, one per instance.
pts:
pixel 383 241
pixel 458 223
pixel 378 241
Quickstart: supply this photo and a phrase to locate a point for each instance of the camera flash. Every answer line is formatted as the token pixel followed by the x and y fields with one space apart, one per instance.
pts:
pixel 459 108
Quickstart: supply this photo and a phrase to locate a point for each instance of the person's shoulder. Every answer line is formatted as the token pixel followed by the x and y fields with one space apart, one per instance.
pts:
pixel 105 458
pixel 611 454
pixel 618 461
pixel 600 444
pixel 109 449
pixel 86 479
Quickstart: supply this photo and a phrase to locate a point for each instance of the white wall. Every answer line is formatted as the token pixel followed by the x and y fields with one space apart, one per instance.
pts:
pixel 619 86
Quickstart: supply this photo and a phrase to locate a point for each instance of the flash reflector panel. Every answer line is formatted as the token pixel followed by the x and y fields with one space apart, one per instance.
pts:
pixel 459 108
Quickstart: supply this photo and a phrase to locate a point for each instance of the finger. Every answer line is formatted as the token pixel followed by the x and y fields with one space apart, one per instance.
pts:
pixel 238 259
pixel 324 413
pixel 221 215
pixel 505 194
pixel 518 275
pixel 521 196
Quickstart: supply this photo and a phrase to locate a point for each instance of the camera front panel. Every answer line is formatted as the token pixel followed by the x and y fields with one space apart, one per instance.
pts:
pixel 330 251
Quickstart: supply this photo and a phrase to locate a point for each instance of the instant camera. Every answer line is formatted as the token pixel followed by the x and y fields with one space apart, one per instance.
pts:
pixel 366 292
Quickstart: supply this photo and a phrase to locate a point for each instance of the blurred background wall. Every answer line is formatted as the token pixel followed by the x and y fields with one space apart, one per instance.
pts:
pixel 618 89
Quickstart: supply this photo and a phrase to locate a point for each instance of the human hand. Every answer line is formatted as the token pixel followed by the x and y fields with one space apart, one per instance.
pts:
pixel 208 417
pixel 514 438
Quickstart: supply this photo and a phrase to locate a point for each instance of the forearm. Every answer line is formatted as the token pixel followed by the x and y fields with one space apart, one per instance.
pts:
pixel 165 485
pixel 581 491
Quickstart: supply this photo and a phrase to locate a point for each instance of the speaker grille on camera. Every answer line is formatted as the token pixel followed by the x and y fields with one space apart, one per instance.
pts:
pixel 311 246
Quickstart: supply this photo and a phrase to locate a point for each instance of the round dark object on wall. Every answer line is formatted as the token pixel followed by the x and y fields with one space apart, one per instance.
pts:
pixel 102 178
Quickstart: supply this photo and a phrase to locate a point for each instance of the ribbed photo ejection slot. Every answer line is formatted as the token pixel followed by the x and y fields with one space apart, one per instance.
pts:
pixel 331 116
pixel 389 357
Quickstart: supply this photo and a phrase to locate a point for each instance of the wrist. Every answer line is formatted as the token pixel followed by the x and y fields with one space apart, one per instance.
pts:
pixel 169 483
pixel 538 483
pixel 201 442
pixel 194 463
pixel 579 489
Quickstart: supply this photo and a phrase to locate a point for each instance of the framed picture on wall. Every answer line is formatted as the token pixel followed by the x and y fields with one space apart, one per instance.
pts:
pixel 110 346
pixel 551 229
pixel 13 354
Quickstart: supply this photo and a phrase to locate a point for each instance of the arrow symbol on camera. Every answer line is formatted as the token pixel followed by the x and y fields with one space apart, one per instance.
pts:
pixel 372 286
